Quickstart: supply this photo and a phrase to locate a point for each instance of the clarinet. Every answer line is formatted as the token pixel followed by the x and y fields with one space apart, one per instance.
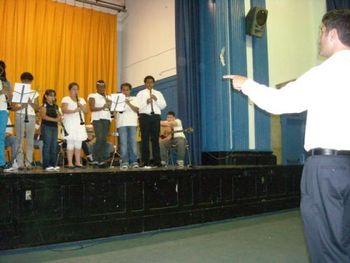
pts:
pixel 150 96
pixel 61 122
pixel 26 120
pixel 105 108
pixel 80 116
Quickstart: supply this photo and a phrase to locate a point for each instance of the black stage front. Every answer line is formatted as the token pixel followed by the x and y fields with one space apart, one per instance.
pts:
pixel 41 207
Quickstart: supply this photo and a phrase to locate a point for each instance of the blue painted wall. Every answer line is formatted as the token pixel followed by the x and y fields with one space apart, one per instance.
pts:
pixel 224 111
pixel 261 74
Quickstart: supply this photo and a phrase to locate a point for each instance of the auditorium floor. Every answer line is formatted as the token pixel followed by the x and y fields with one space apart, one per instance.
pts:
pixel 274 237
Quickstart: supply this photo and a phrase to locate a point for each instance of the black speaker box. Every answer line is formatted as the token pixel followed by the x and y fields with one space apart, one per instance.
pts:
pixel 255 21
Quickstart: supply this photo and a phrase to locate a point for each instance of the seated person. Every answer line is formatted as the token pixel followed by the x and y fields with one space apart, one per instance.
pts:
pixel 172 135
pixel 38 143
pixel 88 145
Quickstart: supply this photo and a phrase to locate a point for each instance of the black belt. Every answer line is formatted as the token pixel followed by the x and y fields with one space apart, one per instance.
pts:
pixel 321 151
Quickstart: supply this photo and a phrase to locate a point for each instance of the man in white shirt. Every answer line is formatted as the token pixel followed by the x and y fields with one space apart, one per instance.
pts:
pixel 126 124
pixel 101 117
pixel 151 102
pixel 324 92
pixel 175 137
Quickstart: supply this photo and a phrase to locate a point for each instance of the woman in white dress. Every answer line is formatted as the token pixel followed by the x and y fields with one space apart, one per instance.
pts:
pixel 73 109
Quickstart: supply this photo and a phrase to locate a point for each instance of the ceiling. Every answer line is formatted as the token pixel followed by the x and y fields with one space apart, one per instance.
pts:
pixel 109 6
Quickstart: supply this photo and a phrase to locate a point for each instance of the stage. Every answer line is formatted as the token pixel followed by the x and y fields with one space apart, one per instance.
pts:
pixel 39 207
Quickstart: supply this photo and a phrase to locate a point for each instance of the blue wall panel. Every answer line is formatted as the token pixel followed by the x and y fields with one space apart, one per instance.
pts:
pixel 261 74
pixel 224 111
pixel 237 64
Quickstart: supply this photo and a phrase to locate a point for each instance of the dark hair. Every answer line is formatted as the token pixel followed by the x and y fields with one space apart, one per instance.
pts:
pixel 27 76
pixel 3 74
pixel 126 84
pixel 339 20
pixel 171 113
pixel 47 93
pixel 148 77
pixel 72 84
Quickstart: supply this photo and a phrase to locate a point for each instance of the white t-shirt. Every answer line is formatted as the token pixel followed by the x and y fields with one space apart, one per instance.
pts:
pixel 178 127
pixel 33 95
pixel 99 102
pixel 128 117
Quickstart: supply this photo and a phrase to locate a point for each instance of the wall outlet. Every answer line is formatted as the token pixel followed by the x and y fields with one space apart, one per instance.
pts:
pixel 28 195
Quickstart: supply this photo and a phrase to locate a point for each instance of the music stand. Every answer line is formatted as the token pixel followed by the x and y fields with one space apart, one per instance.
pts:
pixel 117 105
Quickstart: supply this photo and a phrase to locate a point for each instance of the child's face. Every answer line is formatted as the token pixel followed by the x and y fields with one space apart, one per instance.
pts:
pixel 50 98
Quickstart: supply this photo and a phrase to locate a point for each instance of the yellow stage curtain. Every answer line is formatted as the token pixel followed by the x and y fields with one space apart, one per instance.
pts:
pixel 58 43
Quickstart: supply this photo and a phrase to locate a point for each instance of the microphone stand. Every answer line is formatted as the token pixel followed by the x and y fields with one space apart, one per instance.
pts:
pixel 115 148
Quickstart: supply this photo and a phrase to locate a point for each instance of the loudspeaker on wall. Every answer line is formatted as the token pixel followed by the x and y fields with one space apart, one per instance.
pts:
pixel 255 21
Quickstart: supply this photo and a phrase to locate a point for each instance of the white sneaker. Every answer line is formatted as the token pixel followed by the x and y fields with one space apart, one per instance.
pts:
pixel 15 165
pixel 11 169
pixel 136 165
pixel 50 168
pixel 124 167
pixel 180 164
pixel 56 168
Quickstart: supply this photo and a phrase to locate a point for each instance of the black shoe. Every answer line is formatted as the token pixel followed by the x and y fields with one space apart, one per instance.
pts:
pixel 155 165
pixel 102 165
pixel 142 164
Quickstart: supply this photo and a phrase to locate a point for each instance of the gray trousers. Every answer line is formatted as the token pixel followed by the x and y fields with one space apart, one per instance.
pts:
pixel 28 129
pixel 180 148
pixel 101 128
pixel 325 208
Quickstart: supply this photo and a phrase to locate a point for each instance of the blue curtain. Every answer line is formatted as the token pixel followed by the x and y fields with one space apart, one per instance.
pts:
pixel 187 64
pixel 337 4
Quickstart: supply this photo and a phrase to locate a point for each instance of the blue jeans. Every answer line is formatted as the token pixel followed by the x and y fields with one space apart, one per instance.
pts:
pixel 10 141
pixel 49 137
pixel 3 122
pixel 127 140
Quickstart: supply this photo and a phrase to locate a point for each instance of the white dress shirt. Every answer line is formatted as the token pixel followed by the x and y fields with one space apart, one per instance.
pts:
pixel 324 92
pixel 145 108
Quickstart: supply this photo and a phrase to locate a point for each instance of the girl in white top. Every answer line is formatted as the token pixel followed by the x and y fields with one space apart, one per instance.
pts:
pixel 73 109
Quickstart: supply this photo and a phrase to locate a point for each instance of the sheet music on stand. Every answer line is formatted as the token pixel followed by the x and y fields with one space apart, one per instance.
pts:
pixel 22 92
pixel 118 102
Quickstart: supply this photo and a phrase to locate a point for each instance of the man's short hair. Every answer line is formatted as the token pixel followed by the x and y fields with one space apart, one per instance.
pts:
pixel 126 84
pixel 148 77
pixel 338 19
pixel 171 113
pixel 27 76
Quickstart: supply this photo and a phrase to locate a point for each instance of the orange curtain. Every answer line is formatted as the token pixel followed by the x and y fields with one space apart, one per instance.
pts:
pixel 58 43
